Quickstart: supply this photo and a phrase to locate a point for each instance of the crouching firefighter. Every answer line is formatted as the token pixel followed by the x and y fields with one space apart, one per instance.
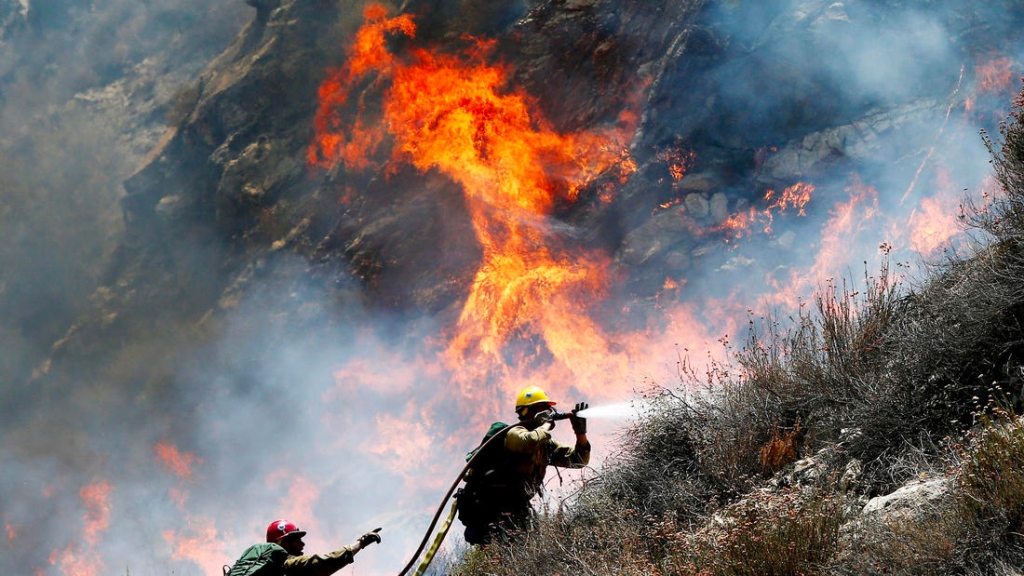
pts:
pixel 282 554
pixel 509 471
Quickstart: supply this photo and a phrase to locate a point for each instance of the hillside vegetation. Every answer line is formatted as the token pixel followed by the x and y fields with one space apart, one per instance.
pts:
pixel 781 464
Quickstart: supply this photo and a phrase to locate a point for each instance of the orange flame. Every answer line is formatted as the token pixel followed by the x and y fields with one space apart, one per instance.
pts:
pixel 73 561
pixel 456 115
pixel 670 203
pixel 12 533
pixel 201 544
pixel 739 225
pixel 391 375
pixel 996 75
pixel 679 161
pixel 96 497
pixel 368 53
pixel 994 80
pixel 175 460
pixel 796 196
pixel 846 221
pixel 406 443
pixel 203 547
pixel 933 224
pixel 298 502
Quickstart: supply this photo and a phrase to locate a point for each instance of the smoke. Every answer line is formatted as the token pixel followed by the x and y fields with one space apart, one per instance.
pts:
pixel 227 428
pixel 282 394
pixel 886 87
pixel 83 88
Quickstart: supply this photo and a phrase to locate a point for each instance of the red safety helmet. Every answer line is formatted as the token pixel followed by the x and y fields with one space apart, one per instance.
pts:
pixel 280 528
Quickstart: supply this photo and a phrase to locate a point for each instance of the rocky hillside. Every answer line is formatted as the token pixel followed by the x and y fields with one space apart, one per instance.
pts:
pixel 878 434
pixel 242 240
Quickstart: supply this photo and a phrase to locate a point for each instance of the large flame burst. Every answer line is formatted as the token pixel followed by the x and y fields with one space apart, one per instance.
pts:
pixel 456 114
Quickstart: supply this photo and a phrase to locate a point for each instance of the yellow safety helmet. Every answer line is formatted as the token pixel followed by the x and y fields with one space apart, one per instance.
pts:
pixel 529 396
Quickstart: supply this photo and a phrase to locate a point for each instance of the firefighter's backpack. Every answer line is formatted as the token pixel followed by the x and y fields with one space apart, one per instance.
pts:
pixel 492 455
pixel 259 560
pixel 487 462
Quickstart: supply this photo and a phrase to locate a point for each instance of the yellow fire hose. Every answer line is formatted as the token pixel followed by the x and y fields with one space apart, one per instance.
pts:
pixel 451 515
pixel 441 533
pixel 455 504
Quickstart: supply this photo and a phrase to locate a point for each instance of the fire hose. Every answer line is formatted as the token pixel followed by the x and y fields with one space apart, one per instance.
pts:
pixel 443 532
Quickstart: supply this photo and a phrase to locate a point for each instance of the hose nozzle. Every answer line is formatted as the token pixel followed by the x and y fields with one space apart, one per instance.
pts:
pixel 561 416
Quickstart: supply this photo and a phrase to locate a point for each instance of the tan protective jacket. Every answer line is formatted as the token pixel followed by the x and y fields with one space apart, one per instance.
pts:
pixel 318 564
pixel 534 450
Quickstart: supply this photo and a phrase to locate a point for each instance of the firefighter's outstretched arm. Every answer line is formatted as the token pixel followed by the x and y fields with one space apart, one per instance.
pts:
pixel 327 564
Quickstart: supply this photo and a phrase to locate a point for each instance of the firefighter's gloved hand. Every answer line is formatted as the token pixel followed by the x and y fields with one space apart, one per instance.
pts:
pixel 579 425
pixel 371 537
pixel 544 417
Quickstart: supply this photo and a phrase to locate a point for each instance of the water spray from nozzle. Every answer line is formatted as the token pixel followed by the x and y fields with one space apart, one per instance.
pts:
pixel 617 411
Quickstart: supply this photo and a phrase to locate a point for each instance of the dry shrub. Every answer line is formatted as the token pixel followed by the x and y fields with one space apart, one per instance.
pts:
pixel 599 538
pixel 977 531
pixel 690 452
pixel 923 545
pixel 992 471
pixel 786 534
pixel 1003 216
pixel 990 496
pixel 827 370
pixel 781 450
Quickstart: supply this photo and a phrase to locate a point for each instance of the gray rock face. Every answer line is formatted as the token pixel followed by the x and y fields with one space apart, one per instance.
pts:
pixel 916 496
pixel 916 501
pixel 850 477
pixel 240 149
pixel 719 208
pixel 664 231
pixel 815 154
pixel 712 83
pixel 697 205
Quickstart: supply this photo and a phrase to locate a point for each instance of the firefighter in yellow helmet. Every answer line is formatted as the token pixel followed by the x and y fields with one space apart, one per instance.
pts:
pixel 504 479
